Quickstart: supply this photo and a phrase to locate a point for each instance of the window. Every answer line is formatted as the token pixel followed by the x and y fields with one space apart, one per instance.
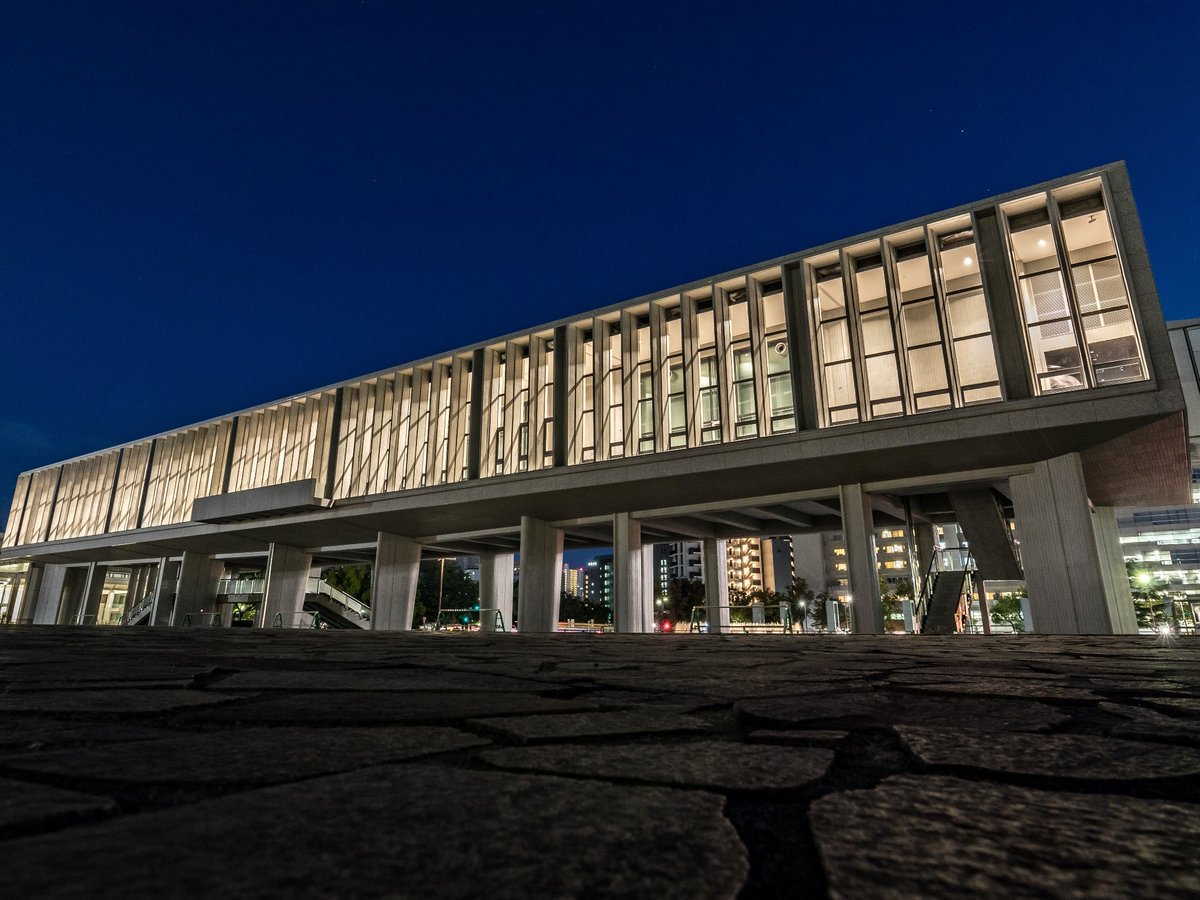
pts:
pixel 840 395
pixel 546 405
pixel 1108 329
pixel 779 366
pixel 710 391
pixel 645 409
pixel 745 412
pixel 880 364
pixel 921 327
pixel 585 433
pixel 613 389
pixel 973 352
pixel 676 395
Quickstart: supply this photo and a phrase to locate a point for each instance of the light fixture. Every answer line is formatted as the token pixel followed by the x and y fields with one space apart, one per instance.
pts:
pixel 967 260
pixel 1042 242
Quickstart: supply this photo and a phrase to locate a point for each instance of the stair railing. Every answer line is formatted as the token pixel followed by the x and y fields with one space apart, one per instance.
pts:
pixel 930 578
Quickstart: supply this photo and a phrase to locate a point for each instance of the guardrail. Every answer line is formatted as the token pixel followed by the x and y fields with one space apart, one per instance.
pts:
pixel 784 624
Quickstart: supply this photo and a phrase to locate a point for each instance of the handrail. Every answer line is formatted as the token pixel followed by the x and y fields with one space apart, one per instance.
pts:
pixel 135 612
pixel 497 616
pixel 929 580
pixel 315 585
pixel 319 586
pixel 298 620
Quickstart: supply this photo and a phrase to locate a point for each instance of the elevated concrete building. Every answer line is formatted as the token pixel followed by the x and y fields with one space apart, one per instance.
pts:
pixel 1007 357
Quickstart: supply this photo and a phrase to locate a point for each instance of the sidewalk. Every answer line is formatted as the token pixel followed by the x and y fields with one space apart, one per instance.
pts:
pixel 217 763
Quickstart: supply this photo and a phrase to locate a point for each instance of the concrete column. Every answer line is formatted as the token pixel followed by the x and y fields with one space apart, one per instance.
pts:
pixel 495 590
pixel 74 584
pixel 162 607
pixel 1121 609
pixel 925 537
pixel 858 525
pixel 1069 552
pixel 715 561
pixel 287 583
pixel 33 586
pixel 633 579
pixel 540 589
pixel 93 591
pixel 196 591
pixel 49 596
pixel 394 582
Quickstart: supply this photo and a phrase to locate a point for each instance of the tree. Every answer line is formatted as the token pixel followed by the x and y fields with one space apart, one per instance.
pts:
pixel 818 612
pixel 354 580
pixel 1006 610
pixel 458 590
pixel 1149 595
pixel 683 595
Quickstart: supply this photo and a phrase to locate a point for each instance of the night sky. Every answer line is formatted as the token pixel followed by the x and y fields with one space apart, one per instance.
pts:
pixel 207 206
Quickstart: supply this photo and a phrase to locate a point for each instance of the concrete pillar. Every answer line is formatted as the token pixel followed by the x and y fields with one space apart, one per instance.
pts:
pixel 287 583
pixel 33 586
pixel 1121 610
pixel 925 537
pixel 49 596
pixel 1069 552
pixel 715 560
pixel 495 590
pixel 633 578
pixel 74 584
pixel 540 588
pixel 93 591
pixel 196 591
pixel 858 525
pixel 163 605
pixel 394 582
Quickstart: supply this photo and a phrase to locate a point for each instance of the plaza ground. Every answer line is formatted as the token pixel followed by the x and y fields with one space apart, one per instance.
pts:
pixel 236 763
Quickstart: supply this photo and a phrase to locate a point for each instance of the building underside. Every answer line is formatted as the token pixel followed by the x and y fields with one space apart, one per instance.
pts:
pixel 1003 361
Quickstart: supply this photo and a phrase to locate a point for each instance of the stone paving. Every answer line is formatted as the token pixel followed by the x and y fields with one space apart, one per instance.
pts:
pixel 229 763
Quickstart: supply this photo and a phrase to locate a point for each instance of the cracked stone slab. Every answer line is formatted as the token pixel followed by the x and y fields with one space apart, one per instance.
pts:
pixel 250 756
pixel 573 725
pixel 1141 721
pixel 387 679
pixel 310 842
pixel 382 707
pixel 703 764
pixel 24 806
pixel 938 837
pixel 128 701
pixel 1063 755
pixel 896 708
pixel 1036 689
pixel 826 738
pixel 21 734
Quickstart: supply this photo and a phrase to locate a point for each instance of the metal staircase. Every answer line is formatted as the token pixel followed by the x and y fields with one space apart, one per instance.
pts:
pixel 946 593
pixel 139 612
pixel 334 606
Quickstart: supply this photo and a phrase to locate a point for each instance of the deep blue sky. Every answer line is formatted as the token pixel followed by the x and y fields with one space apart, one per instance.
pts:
pixel 206 206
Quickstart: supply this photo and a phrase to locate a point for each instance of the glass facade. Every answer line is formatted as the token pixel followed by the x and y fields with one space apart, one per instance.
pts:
pixel 901 324
pixel 1075 302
